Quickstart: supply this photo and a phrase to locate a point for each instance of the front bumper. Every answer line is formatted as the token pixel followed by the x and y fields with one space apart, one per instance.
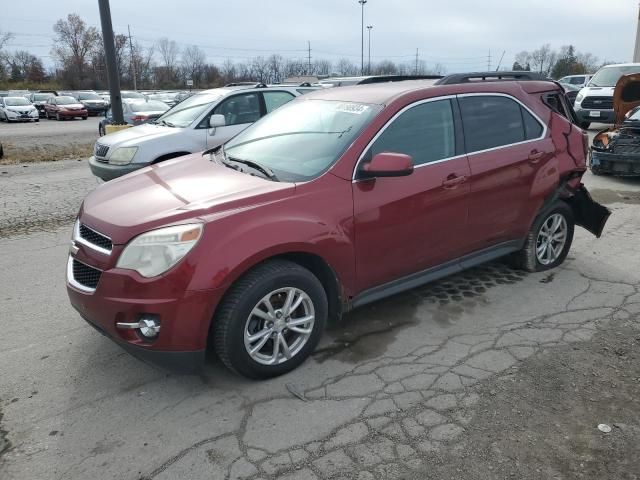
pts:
pixel 107 172
pixel 95 109
pixel 614 164
pixel 123 296
pixel 72 113
pixel 604 116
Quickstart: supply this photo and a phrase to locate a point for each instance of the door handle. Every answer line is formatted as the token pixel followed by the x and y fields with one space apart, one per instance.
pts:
pixel 535 156
pixel 453 181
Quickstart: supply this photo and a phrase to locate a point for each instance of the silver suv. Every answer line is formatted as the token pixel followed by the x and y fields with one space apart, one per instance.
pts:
pixel 202 121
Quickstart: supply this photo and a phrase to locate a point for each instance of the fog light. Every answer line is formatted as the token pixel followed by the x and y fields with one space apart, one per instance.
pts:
pixel 148 326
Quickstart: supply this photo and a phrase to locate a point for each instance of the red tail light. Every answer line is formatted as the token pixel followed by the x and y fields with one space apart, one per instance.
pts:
pixel 140 118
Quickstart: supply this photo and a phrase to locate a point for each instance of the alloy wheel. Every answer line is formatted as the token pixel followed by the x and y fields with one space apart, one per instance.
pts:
pixel 279 326
pixel 552 238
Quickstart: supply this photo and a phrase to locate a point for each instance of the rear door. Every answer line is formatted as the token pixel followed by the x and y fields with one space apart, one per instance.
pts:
pixel 506 146
pixel 407 224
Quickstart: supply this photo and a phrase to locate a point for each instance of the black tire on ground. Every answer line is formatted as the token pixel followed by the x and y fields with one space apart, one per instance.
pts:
pixel 229 322
pixel 596 170
pixel 585 125
pixel 527 258
pixel 37 119
pixel 84 118
pixel 58 117
pixel 101 132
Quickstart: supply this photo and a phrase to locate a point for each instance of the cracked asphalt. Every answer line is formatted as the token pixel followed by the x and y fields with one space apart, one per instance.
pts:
pixel 456 379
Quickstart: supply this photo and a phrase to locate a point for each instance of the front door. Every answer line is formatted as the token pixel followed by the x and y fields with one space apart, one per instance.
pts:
pixel 408 224
pixel 239 112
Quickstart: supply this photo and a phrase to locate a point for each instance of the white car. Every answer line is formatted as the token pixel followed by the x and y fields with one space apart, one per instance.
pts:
pixel 18 109
pixel 594 102
pixel 576 80
pixel 202 121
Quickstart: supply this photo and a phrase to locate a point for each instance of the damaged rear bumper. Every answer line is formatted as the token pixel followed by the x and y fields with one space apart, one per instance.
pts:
pixel 588 213
pixel 615 163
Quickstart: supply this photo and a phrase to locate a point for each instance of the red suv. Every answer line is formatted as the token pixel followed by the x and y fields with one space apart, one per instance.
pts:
pixel 339 198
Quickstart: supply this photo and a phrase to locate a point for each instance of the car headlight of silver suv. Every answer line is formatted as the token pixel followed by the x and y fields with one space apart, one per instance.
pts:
pixel 579 98
pixel 155 252
pixel 123 155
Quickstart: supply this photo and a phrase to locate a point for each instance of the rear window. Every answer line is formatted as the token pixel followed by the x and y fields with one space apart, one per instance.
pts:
pixel 150 106
pixel 495 121
pixel 88 96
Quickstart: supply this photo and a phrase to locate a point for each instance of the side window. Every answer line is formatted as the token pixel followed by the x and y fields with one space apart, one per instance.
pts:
pixel 577 80
pixel 240 109
pixel 273 100
pixel 532 127
pixel 426 132
pixel 491 121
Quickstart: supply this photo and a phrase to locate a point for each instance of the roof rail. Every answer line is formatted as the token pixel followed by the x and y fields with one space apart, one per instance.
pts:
pixel 261 85
pixel 491 76
pixel 396 78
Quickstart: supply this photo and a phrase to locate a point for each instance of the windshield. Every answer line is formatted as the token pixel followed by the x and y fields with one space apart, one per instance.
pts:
pixel 609 76
pixel 132 95
pixel 301 140
pixel 88 96
pixel 65 100
pixel 41 96
pixel 16 101
pixel 150 106
pixel 185 113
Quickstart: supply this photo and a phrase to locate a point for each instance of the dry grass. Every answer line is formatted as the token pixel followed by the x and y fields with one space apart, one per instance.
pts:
pixel 44 152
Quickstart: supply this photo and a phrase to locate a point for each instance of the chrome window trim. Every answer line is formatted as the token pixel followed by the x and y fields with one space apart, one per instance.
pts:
pixel 389 122
pixel 448 97
pixel 72 281
pixel 544 125
pixel 77 238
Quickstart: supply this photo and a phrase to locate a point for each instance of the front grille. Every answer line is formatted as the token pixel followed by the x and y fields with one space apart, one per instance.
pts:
pixel 598 103
pixel 627 149
pixel 95 238
pixel 85 275
pixel 101 150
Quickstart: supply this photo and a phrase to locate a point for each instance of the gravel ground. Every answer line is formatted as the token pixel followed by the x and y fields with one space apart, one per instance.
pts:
pixel 48 140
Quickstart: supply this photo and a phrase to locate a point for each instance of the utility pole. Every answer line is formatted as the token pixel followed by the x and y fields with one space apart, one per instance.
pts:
pixel 369 27
pixel 489 62
pixel 417 57
pixel 133 62
pixel 110 59
pixel 500 62
pixel 309 58
pixel 362 2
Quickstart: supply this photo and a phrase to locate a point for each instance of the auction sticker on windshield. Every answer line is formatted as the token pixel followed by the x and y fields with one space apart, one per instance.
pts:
pixel 356 108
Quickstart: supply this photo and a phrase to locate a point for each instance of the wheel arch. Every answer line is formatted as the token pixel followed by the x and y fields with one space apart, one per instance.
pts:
pixel 169 156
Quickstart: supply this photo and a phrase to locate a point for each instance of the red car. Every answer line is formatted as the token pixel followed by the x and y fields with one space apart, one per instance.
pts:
pixel 63 107
pixel 340 198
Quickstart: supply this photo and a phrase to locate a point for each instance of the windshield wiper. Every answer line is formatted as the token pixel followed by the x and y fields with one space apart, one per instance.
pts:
pixel 164 122
pixel 256 166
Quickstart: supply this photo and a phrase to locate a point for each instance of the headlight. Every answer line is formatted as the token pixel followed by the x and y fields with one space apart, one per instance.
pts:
pixel 11 112
pixel 123 156
pixel 579 98
pixel 155 252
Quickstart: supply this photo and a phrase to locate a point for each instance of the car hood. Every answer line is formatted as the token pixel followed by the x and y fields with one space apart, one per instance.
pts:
pixel 92 101
pixel 175 191
pixel 626 95
pixel 19 108
pixel 597 91
pixel 72 105
pixel 133 136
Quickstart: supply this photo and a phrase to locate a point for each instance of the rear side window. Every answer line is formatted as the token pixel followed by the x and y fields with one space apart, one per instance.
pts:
pixel 273 100
pixel 576 80
pixel 426 132
pixel 495 121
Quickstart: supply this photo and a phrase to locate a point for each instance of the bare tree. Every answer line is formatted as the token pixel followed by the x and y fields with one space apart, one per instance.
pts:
pixel 229 71
pixel 543 59
pixel 74 43
pixel 168 50
pixel 346 67
pixel 193 63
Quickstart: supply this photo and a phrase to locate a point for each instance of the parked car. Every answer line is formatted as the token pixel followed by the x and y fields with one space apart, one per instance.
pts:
pixel 19 93
pixel 170 98
pixel 39 100
pixel 616 150
pixel 126 94
pixel 576 80
pixel 202 121
pixel 594 103
pixel 17 109
pixel 63 107
pixel 94 104
pixel 337 199
pixel 136 112
pixel 367 79
pixel 4 93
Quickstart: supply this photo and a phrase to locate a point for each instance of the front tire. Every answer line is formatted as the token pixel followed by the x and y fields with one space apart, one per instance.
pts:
pixel 271 320
pixel 548 241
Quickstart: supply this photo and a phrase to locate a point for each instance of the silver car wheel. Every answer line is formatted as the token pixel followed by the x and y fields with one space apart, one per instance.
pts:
pixel 279 326
pixel 552 238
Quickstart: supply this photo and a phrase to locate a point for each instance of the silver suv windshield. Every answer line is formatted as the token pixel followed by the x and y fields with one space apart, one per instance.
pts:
pixel 187 111
pixel 609 76
pixel 302 139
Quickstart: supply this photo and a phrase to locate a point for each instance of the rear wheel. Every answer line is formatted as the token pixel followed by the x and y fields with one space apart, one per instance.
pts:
pixel 271 320
pixel 548 241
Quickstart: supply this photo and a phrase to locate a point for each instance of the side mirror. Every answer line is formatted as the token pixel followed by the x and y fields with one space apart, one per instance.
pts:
pixel 216 121
pixel 388 164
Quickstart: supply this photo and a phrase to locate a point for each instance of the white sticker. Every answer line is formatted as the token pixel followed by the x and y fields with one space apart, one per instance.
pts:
pixel 356 108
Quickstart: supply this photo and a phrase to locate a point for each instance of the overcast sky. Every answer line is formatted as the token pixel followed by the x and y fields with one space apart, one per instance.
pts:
pixel 457 33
